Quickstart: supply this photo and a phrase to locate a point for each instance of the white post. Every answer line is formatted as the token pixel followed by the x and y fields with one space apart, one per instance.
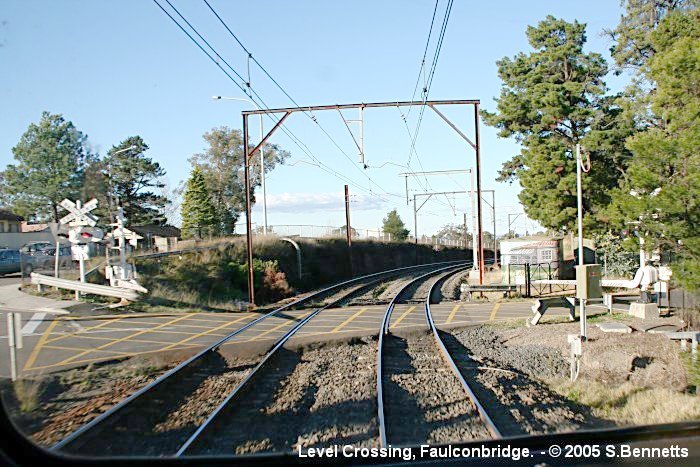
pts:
pixel 14 340
pixel 475 249
pixel 579 197
pixel 56 260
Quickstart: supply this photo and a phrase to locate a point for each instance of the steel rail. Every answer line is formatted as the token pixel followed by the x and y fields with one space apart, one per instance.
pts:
pixel 75 435
pixel 385 330
pixel 254 372
pixel 490 425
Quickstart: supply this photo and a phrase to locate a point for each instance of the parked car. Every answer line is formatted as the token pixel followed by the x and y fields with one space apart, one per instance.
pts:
pixel 41 255
pixel 9 261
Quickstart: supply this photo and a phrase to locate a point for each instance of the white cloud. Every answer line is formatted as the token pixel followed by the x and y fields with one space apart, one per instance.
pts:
pixel 317 202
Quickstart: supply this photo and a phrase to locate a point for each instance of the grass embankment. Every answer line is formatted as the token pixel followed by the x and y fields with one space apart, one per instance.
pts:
pixel 217 278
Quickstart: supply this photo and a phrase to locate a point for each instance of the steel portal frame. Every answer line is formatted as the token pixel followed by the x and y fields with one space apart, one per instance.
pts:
pixel 287 111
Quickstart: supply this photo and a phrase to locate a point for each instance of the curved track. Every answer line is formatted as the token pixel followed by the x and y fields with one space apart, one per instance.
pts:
pixel 418 398
pixel 136 413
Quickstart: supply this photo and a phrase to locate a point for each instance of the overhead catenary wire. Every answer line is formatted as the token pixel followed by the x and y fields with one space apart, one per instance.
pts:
pixel 286 93
pixel 253 94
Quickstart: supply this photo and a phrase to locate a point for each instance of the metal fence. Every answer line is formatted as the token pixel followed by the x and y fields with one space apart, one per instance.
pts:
pixel 523 276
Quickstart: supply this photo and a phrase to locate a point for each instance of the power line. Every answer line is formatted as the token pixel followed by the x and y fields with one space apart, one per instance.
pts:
pixel 261 103
pixel 431 74
pixel 281 88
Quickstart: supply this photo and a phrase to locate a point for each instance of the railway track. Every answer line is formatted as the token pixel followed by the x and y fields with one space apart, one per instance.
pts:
pixel 171 415
pixel 422 396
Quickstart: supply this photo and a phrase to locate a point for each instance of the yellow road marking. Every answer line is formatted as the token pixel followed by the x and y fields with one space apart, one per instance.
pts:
pixel 203 333
pixel 403 315
pixel 98 359
pixel 60 347
pixel 91 328
pixel 39 345
pixel 282 325
pixel 140 341
pixel 453 313
pixel 108 344
pixel 496 306
pixel 344 323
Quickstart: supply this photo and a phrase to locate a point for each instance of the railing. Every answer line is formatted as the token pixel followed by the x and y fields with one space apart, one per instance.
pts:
pixel 83 287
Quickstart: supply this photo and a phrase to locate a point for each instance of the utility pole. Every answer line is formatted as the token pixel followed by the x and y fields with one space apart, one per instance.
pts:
pixel 509 221
pixel 415 227
pixel 465 231
pixel 248 225
pixel 477 147
pixel 348 229
pixel 579 199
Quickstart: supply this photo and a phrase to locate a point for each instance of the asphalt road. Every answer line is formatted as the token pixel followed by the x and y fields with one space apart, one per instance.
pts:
pixel 10 279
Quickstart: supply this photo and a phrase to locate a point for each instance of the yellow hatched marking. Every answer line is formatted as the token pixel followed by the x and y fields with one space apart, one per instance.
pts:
pixel 453 313
pixel 97 359
pixel 349 320
pixel 91 328
pixel 108 344
pixel 60 347
pixel 204 333
pixel 403 315
pixel 39 345
pixel 496 306
pixel 281 325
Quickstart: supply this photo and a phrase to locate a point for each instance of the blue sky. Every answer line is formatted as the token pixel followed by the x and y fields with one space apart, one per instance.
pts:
pixel 118 69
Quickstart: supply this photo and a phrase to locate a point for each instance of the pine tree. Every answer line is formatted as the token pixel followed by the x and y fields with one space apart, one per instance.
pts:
pixel 553 98
pixel 394 226
pixel 661 192
pixel 198 212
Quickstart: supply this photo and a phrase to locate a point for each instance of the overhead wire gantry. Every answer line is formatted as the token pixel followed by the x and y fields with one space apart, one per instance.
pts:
pixel 287 111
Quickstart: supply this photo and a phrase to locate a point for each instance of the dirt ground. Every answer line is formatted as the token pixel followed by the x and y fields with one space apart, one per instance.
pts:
pixel 625 379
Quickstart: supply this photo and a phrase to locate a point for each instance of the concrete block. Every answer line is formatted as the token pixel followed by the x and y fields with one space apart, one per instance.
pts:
pixel 644 310
pixel 614 327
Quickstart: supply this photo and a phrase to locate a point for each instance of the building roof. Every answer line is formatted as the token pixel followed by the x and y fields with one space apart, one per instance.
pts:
pixel 6 215
pixel 537 245
pixel 154 230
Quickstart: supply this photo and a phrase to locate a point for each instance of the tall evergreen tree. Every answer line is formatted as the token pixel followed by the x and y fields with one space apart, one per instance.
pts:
pixel 552 99
pixel 662 187
pixel 199 217
pixel 221 165
pixel 132 178
pixel 51 159
pixel 393 225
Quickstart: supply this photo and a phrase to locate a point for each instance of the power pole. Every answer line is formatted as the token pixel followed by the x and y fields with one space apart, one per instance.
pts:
pixel 348 229
pixel 415 228
pixel 509 221
pixel 248 225
pixel 477 147
pixel 465 231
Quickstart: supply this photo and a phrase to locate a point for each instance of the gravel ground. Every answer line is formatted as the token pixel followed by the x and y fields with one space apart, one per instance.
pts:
pixel 315 397
pixel 67 400
pixel 388 290
pixel 423 400
pixel 161 421
pixel 509 383
pixel 450 287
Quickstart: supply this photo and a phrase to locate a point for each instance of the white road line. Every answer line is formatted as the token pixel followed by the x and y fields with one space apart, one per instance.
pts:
pixel 33 323
pixel 78 334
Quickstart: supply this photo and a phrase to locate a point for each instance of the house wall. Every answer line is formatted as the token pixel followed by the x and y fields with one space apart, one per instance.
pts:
pixel 9 226
pixel 17 239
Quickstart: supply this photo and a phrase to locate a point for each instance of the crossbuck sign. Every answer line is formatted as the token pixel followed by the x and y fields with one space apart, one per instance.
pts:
pixel 79 213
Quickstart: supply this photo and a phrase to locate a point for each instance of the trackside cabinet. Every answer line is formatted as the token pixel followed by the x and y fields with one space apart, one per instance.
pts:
pixel 588 281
